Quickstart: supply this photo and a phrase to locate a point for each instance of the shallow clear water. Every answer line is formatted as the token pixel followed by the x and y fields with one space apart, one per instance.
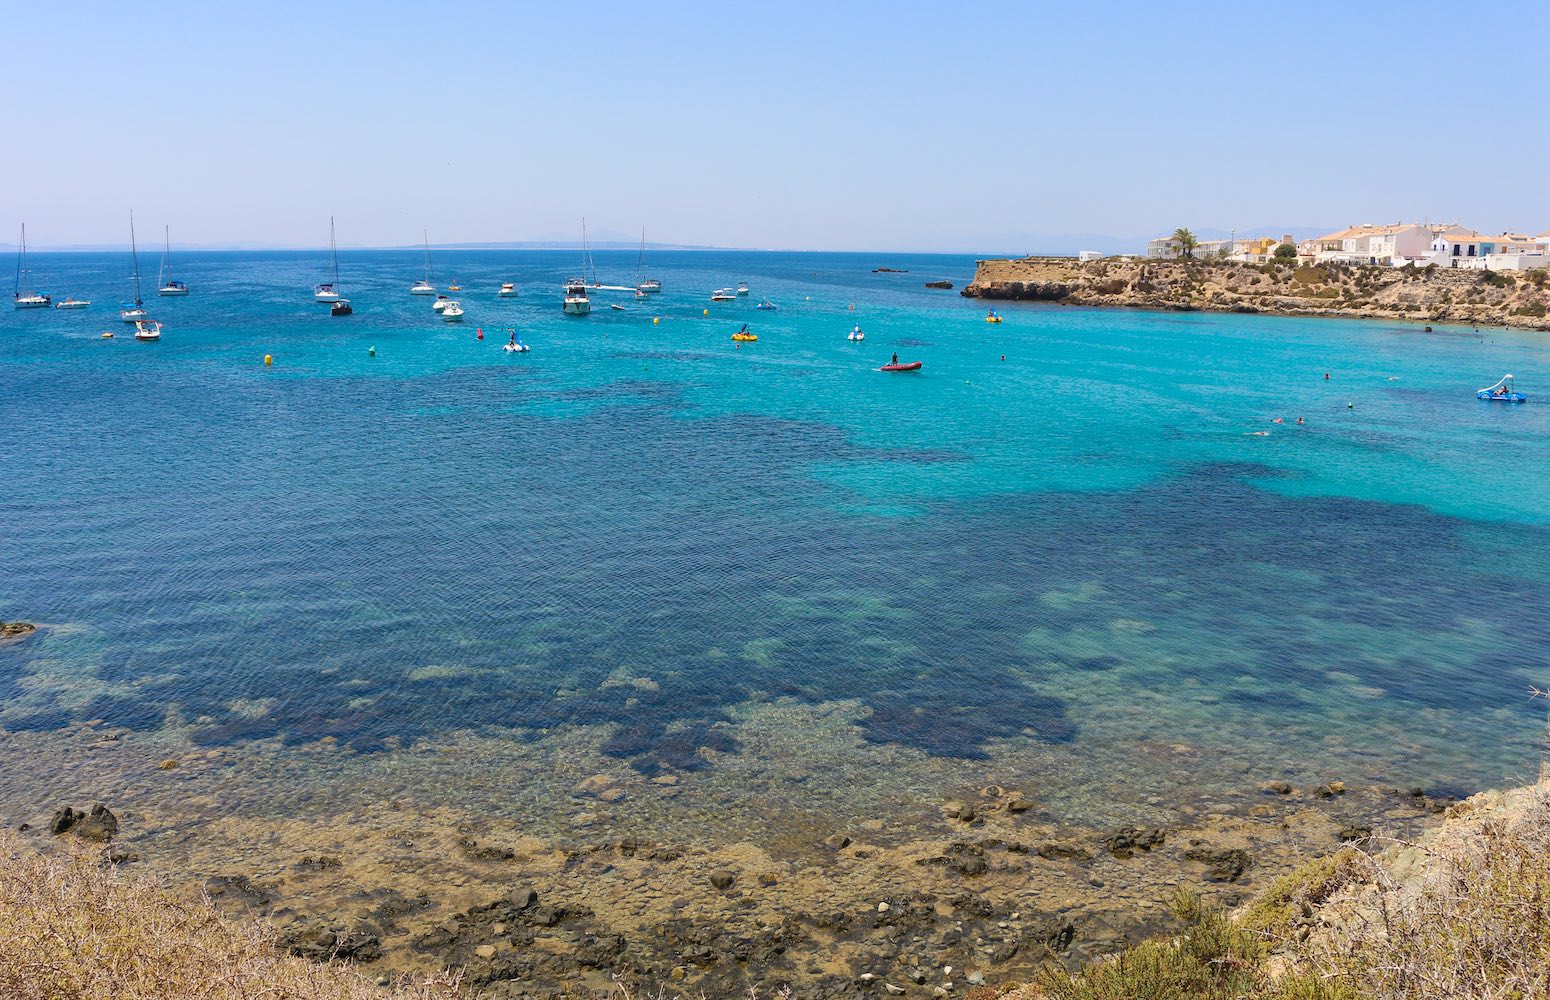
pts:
pixel 642 535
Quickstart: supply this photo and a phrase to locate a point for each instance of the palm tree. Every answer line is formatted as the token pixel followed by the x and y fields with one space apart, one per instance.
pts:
pixel 1187 242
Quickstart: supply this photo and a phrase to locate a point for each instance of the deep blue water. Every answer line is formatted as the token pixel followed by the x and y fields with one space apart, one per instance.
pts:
pixel 445 537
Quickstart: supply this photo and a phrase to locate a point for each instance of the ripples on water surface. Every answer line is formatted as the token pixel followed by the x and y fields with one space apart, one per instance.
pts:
pixel 647 535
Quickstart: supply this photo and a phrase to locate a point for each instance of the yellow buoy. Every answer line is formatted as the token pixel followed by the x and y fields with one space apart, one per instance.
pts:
pixel 269 359
pixel 704 312
pixel 655 320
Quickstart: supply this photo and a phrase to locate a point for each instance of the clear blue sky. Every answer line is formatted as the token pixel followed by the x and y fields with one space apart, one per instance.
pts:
pixel 951 126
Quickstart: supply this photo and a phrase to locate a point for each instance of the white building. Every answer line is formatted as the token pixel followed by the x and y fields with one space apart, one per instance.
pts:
pixel 1088 255
pixel 1368 244
pixel 1507 252
pixel 1167 248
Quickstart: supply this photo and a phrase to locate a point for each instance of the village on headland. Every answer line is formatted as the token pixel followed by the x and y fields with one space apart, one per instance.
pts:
pixel 1414 244
pixel 1420 272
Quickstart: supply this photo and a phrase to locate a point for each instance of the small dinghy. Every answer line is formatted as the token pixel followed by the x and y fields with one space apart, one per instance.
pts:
pixel 744 336
pixel 1501 392
pixel 616 307
pixel 897 366
pixel 992 317
pixel 856 333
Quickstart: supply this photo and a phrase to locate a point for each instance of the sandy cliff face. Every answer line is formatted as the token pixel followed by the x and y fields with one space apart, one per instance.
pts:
pixel 1494 298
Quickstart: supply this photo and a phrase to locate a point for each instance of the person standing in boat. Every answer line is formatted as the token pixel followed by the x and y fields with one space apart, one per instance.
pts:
pixel 895 358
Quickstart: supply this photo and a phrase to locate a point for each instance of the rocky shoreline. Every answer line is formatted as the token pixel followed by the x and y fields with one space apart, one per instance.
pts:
pixel 1428 295
pixel 991 892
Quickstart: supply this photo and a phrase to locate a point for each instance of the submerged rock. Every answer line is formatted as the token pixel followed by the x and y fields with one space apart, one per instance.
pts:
pixel 1132 840
pixel 1227 865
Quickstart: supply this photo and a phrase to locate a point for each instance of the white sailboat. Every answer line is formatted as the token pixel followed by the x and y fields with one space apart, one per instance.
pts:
pixel 425 287
pixel 576 302
pixel 134 312
pixel 24 296
pixel 644 285
pixel 164 283
pixel 328 291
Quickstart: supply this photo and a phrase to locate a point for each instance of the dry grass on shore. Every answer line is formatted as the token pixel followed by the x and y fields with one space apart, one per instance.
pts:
pixel 1464 916
pixel 75 928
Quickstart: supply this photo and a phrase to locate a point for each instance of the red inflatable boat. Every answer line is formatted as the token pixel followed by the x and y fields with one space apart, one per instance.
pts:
pixel 908 366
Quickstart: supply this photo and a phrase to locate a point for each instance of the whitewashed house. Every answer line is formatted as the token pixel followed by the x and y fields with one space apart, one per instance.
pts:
pixel 1369 244
pixel 1167 248
pixel 1506 252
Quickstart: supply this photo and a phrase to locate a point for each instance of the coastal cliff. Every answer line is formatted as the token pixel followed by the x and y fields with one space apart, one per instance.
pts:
pixel 1426 295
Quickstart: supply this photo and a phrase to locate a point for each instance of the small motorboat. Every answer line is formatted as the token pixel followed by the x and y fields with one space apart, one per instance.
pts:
pixel 722 295
pixel 856 334
pixel 766 304
pixel 107 335
pixel 452 312
pixel 325 292
pixel 507 289
pixel 1502 392
pixel 897 366
pixel 742 288
pixel 992 317
pixel 341 307
pixel 147 329
pixel 616 307
pixel 441 303
pixel 70 303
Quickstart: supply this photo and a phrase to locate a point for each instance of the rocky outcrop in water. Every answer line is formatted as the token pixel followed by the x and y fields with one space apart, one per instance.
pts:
pixel 15 630
pixel 1439 295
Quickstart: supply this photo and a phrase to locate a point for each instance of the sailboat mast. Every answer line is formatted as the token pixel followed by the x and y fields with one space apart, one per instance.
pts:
pixel 426 234
pixel 21 264
pixel 333 250
pixel 166 256
pixel 134 256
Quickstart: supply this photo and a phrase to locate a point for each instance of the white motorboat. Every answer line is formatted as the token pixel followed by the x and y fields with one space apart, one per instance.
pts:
pixel 508 289
pixel 424 286
pixel 441 303
pixel 165 285
pixel 452 312
pixel 70 303
pixel 134 312
pixel 722 295
pixel 24 296
pixel 856 333
pixel 742 288
pixel 147 329
pixel 576 301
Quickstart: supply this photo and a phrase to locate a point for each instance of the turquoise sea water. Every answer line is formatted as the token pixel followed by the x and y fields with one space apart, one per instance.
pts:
pixel 1077 530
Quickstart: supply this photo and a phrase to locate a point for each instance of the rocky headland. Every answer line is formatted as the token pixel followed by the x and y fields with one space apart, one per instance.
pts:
pixel 1425 295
